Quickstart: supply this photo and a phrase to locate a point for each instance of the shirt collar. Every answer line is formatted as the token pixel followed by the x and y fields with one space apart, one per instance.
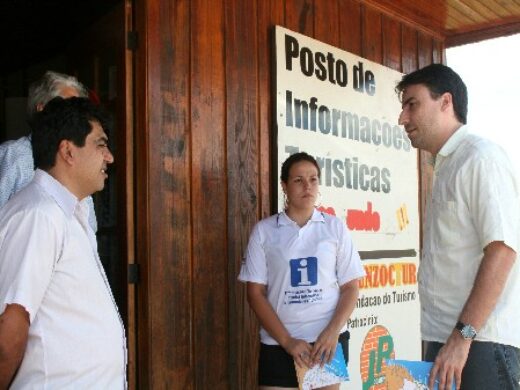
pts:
pixel 453 142
pixel 283 219
pixel 63 197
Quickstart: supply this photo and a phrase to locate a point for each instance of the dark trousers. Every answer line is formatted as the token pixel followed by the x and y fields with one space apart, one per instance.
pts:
pixel 490 366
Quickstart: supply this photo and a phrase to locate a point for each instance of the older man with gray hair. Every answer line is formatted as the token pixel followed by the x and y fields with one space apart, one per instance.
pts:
pixel 16 157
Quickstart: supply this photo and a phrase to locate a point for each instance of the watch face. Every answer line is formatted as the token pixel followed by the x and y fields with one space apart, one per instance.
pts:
pixel 468 332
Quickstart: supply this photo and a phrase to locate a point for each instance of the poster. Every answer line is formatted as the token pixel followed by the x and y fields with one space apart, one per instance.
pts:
pixel 343 110
pixel 331 373
pixel 409 375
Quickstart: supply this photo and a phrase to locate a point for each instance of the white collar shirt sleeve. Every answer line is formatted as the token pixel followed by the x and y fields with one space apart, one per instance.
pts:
pixel 475 201
pixel 49 265
pixel 17 170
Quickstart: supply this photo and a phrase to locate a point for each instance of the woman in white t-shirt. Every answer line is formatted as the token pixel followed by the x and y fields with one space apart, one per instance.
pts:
pixel 302 274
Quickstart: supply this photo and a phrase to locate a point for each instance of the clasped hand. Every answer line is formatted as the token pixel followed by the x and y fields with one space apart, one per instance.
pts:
pixel 307 355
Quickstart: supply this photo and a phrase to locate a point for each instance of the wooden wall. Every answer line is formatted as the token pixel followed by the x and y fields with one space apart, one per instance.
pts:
pixel 203 174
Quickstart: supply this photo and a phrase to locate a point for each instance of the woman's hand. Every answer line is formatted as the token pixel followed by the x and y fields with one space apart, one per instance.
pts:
pixel 300 350
pixel 325 347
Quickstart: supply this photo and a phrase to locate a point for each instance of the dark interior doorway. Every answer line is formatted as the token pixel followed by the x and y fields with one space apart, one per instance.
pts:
pixel 85 38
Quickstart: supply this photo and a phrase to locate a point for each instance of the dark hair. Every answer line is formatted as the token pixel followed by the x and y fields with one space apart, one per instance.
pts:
pixel 63 119
pixel 439 79
pixel 296 158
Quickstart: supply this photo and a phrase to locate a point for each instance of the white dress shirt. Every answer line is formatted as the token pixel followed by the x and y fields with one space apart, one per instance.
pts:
pixel 302 269
pixel 50 266
pixel 17 170
pixel 475 201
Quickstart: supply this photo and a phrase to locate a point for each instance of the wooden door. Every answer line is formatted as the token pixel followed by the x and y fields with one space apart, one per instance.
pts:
pixel 102 57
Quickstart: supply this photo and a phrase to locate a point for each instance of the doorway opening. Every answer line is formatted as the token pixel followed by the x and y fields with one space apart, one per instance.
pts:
pixel 86 39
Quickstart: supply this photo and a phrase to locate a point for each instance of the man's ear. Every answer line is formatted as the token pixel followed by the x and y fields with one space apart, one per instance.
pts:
pixel 66 151
pixel 446 101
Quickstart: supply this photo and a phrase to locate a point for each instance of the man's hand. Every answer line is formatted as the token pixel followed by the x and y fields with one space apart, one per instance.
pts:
pixel 450 361
pixel 489 283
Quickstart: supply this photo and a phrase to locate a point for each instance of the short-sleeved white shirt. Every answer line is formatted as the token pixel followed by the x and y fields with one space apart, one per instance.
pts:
pixel 49 265
pixel 475 201
pixel 17 170
pixel 302 269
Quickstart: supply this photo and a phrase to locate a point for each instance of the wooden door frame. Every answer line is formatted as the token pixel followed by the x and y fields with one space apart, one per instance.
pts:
pixel 126 113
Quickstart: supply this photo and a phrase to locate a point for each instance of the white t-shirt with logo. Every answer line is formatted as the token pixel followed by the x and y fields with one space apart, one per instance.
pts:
pixel 302 268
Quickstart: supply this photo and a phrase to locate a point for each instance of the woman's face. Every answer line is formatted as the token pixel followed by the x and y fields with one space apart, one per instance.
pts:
pixel 302 186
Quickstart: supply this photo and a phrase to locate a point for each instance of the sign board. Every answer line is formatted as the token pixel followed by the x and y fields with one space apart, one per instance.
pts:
pixel 343 110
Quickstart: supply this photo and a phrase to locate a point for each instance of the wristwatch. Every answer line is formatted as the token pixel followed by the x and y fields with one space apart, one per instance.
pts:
pixel 467 331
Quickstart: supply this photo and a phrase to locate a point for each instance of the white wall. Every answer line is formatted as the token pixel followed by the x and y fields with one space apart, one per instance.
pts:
pixel 490 70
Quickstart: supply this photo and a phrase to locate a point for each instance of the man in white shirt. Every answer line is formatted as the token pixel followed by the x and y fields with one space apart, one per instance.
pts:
pixel 59 324
pixel 16 159
pixel 469 278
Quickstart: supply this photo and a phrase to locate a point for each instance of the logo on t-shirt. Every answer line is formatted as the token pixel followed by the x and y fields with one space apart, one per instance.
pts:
pixel 304 271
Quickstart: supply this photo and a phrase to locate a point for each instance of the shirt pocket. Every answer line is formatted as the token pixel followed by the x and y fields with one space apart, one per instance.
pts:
pixel 445 224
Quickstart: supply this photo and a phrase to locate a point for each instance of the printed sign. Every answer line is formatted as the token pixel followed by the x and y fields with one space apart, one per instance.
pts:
pixel 343 110
pixel 317 377
pixel 409 375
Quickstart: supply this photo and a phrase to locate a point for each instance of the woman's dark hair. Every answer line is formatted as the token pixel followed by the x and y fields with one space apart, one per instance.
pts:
pixel 296 158
pixel 63 119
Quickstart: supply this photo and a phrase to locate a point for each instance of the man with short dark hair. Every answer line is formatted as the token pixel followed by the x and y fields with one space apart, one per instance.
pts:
pixel 16 160
pixel 469 278
pixel 59 324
